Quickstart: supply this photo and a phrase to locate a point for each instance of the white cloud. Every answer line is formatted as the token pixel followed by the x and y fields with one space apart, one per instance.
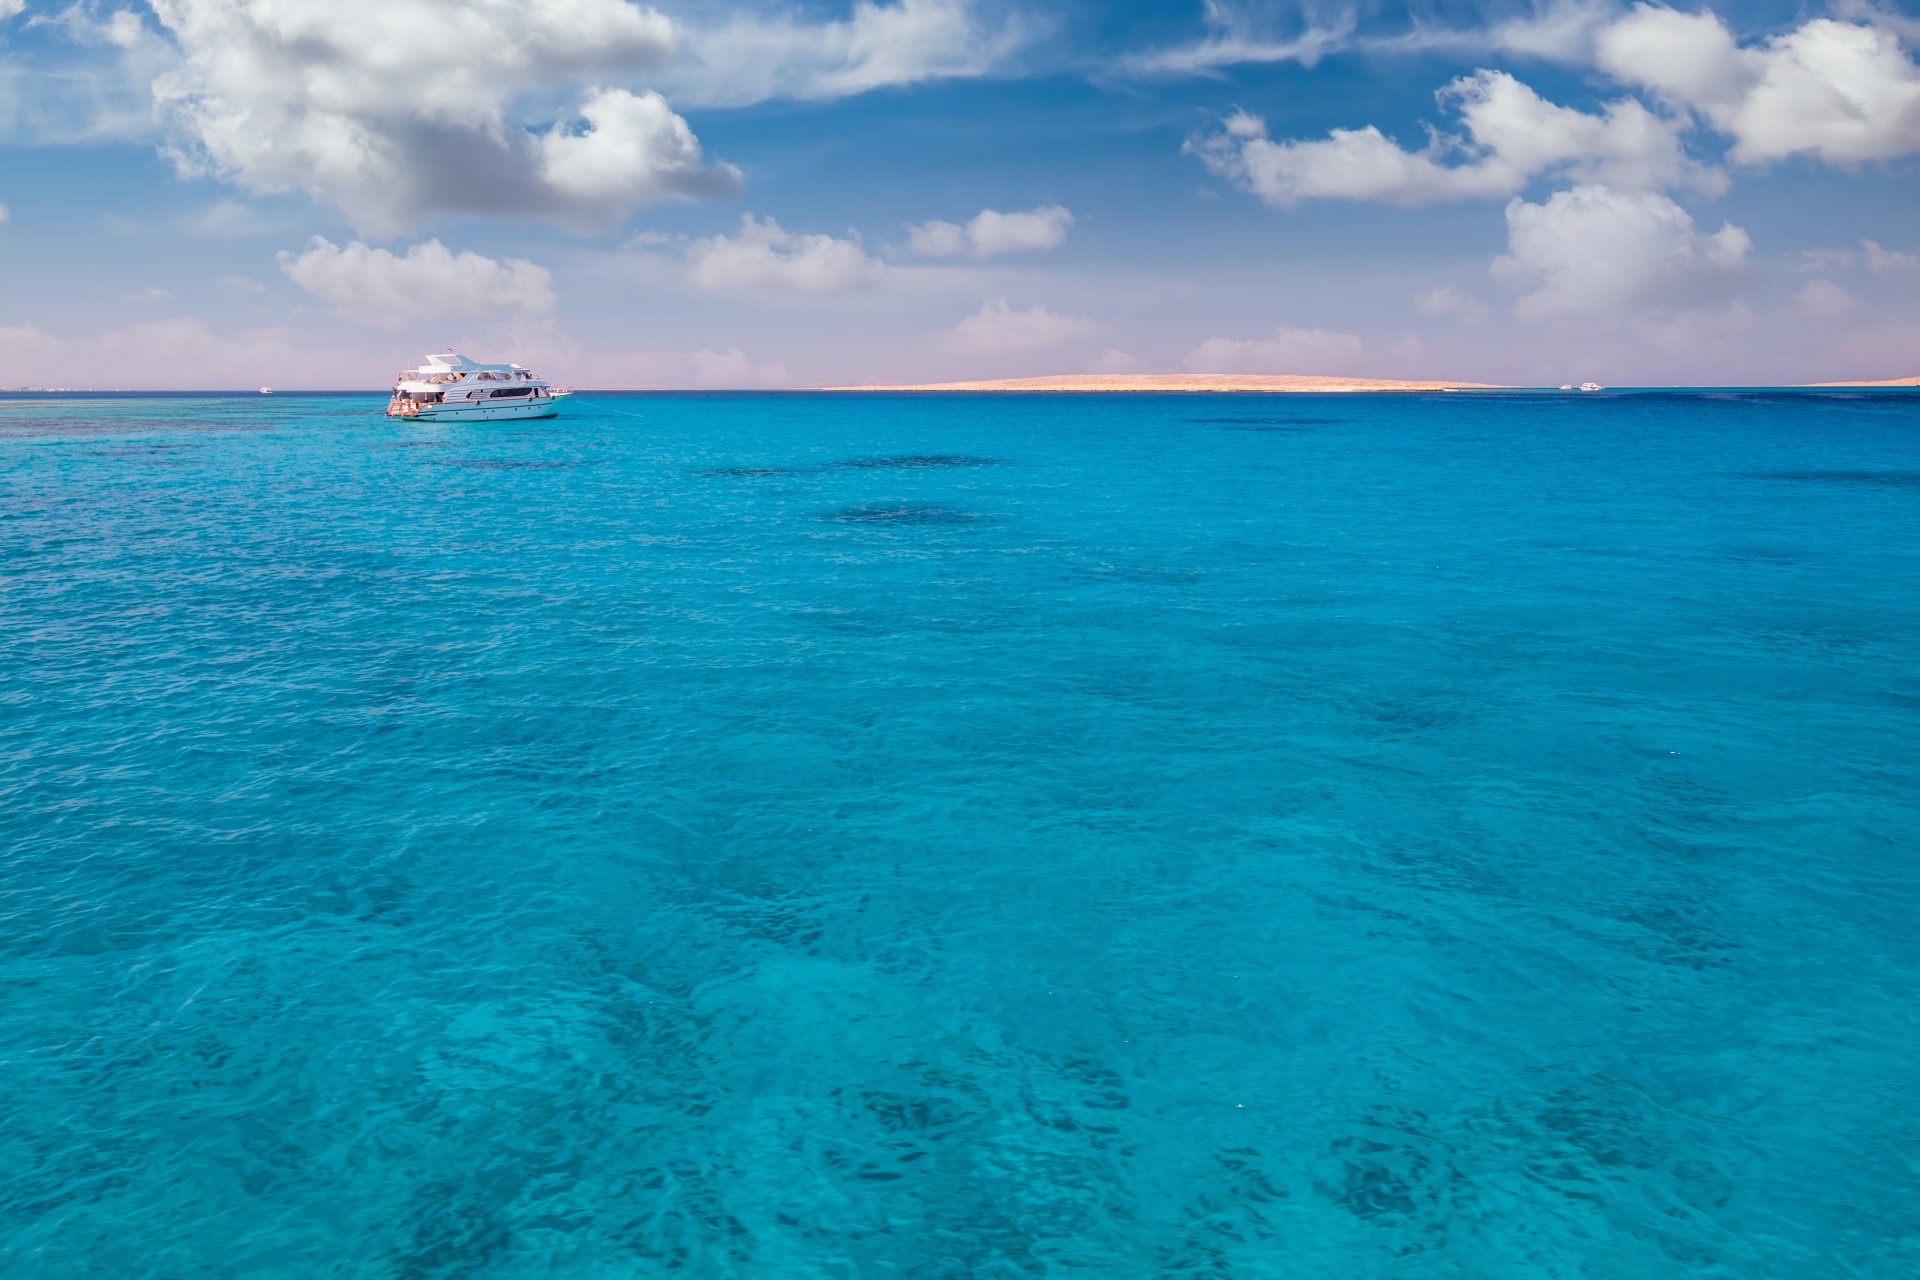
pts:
pixel 11 8
pixel 1885 262
pixel 1820 299
pixel 387 289
pixel 392 109
pixel 1561 30
pixel 997 327
pixel 991 233
pixel 85 80
pixel 1844 92
pixel 1596 252
pixel 756 55
pixel 1306 351
pixel 1114 360
pixel 1239 33
pixel 634 151
pixel 1871 254
pixel 1906 26
pixel 764 255
pixel 1449 301
pixel 1827 259
pixel 229 219
pixel 1511 135
pixel 153 293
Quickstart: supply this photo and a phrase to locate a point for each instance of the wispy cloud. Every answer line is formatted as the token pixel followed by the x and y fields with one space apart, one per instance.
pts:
pixel 1307 351
pixel 388 289
pixel 997 328
pixel 990 233
pixel 765 255
pixel 751 54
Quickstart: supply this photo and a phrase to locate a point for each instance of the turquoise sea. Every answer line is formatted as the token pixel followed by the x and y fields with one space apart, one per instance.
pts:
pixel 821 836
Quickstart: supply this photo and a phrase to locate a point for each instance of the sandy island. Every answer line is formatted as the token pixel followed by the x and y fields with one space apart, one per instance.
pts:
pixel 1182 382
pixel 1884 382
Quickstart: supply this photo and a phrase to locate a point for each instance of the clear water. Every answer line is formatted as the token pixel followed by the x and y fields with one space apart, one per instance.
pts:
pixel 1345 837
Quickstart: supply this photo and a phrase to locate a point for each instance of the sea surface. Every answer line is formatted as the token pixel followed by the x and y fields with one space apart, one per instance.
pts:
pixel 802 836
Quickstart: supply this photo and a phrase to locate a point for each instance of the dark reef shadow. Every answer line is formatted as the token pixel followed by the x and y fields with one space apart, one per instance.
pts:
pixel 748 473
pixel 1269 422
pixel 507 464
pixel 900 513
pixel 913 461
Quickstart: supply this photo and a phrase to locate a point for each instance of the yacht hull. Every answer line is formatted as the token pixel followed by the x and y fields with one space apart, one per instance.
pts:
pixel 462 411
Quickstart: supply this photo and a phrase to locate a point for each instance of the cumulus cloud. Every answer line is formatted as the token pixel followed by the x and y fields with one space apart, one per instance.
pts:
pixel 1843 92
pixel 991 233
pixel 11 8
pixel 756 55
pixel 1820 299
pixel 390 289
pixel 393 109
pixel 1449 301
pixel 1308 351
pixel 1883 262
pixel 764 255
pixel 1509 135
pixel 633 150
pixel 1596 252
pixel 997 327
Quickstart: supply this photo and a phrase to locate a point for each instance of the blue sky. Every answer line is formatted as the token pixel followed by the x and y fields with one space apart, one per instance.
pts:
pixel 313 192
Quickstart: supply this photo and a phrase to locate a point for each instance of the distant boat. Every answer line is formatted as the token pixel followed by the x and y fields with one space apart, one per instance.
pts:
pixel 452 386
pixel 266 391
pixel 1591 386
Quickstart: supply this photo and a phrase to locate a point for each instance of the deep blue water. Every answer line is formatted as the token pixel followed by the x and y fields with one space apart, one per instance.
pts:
pixel 815 836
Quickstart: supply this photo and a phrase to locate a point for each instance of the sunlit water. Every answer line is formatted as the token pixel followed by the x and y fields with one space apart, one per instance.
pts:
pixel 1209 837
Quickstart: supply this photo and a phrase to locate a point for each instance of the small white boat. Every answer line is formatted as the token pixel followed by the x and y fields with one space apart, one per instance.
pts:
pixel 266 391
pixel 450 386
pixel 1590 386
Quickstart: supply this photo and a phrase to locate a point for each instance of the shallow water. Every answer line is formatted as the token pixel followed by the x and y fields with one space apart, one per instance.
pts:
pixel 824 836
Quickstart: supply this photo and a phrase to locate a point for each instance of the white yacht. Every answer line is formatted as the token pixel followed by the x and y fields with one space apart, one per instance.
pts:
pixel 452 386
